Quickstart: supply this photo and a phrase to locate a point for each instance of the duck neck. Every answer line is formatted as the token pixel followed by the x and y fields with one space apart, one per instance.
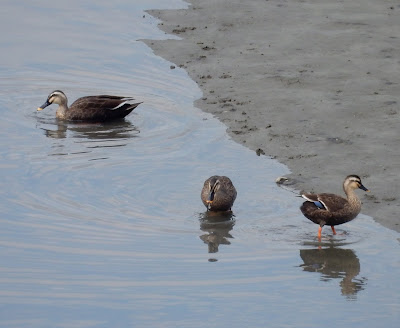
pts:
pixel 62 111
pixel 353 198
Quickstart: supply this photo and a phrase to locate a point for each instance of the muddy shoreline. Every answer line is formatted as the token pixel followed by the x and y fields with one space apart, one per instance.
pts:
pixel 312 84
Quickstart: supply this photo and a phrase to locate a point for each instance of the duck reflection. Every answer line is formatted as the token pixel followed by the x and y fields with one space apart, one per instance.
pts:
pixel 335 263
pixel 217 226
pixel 99 131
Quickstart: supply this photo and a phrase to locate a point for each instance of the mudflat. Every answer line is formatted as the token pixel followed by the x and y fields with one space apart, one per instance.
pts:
pixel 312 83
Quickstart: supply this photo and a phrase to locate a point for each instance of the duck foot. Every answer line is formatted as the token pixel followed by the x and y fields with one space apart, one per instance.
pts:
pixel 319 233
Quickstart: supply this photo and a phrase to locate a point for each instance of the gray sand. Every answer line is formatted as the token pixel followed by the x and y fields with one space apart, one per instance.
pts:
pixel 312 83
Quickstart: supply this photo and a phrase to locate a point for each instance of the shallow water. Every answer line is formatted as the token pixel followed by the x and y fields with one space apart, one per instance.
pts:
pixel 102 225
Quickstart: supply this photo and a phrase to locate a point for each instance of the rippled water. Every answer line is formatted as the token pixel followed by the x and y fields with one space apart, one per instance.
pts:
pixel 102 224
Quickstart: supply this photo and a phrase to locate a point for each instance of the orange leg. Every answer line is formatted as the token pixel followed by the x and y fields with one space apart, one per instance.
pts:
pixel 319 232
pixel 333 230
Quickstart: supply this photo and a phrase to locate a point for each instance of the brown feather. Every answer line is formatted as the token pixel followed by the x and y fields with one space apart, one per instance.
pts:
pixel 338 210
pixel 342 214
pixel 99 108
pixel 91 108
pixel 224 196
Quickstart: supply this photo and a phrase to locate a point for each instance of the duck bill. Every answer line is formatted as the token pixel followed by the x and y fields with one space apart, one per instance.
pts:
pixel 44 105
pixel 210 199
pixel 363 188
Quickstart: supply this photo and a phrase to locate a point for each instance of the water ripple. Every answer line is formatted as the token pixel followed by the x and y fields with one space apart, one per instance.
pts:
pixel 103 221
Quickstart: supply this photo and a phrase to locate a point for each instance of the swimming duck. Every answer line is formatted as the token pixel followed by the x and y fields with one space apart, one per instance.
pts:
pixel 218 193
pixel 331 209
pixel 92 108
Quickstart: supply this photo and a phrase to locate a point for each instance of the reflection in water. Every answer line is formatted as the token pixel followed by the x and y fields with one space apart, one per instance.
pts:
pixel 113 130
pixel 97 225
pixel 335 263
pixel 217 226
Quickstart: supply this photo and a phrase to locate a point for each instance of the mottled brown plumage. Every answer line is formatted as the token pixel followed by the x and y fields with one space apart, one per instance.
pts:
pixel 218 193
pixel 331 209
pixel 91 108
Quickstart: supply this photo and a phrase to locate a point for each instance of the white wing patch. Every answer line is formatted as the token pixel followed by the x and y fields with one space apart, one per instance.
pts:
pixel 306 198
pixel 316 202
pixel 326 207
pixel 125 101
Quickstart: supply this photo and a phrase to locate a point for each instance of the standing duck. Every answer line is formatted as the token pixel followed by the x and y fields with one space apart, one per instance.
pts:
pixel 92 108
pixel 218 193
pixel 331 209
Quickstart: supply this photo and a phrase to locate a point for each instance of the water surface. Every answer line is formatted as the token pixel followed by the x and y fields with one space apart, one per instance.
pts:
pixel 102 224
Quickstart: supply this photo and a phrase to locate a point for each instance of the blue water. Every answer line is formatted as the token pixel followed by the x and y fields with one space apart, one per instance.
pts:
pixel 102 225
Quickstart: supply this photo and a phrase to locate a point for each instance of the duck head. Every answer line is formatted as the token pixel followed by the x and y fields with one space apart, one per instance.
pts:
pixel 353 182
pixel 56 97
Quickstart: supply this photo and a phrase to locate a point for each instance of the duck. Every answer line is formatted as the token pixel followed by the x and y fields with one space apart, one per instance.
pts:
pixel 331 209
pixel 100 108
pixel 218 194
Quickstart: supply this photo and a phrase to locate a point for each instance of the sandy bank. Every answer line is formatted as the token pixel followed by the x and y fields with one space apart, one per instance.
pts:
pixel 313 83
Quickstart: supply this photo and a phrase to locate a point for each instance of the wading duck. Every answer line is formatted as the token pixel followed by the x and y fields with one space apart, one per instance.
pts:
pixel 218 193
pixel 331 209
pixel 92 108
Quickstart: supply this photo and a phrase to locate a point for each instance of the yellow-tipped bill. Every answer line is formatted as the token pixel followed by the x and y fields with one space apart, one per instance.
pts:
pixel 47 103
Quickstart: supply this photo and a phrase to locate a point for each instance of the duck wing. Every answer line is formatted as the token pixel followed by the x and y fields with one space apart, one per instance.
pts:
pixel 329 202
pixel 102 107
pixel 228 187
